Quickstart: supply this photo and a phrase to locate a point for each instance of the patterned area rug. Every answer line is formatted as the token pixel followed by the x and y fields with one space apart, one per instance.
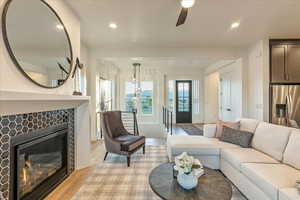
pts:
pixel 113 180
pixel 191 129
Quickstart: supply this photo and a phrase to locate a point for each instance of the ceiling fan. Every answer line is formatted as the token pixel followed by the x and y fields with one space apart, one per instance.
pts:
pixel 186 4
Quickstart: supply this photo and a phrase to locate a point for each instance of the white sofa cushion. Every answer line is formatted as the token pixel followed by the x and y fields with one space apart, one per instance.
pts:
pixel 271 139
pixel 289 194
pixel 209 130
pixel 271 177
pixel 195 145
pixel 249 125
pixel 291 155
pixel 237 156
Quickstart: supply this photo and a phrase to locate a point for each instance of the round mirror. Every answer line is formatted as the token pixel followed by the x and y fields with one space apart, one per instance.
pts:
pixel 37 42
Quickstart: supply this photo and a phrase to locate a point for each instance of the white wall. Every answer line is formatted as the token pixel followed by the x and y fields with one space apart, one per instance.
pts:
pixel 258 79
pixel 12 79
pixel 211 95
pixel 186 73
pixel 212 89
pixel 96 55
pixel 96 69
pixel 85 60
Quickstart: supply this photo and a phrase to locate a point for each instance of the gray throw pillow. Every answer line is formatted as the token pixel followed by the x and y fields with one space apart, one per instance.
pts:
pixel 238 137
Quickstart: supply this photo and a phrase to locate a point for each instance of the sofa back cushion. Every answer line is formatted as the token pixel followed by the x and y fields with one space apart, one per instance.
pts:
pixel 291 155
pixel 271 139
pixel 248 125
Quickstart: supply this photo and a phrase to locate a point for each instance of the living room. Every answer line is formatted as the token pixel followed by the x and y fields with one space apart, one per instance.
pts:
pixel 175 99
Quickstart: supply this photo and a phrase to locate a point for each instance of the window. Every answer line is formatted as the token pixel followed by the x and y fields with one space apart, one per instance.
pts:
pixel 129 95
pixel 106 95
pixel 196 96
pixel 171 95
pixel 146 98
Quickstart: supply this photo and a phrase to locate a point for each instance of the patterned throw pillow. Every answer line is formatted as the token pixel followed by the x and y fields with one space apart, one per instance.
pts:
pixel 238 137
pixel 221 124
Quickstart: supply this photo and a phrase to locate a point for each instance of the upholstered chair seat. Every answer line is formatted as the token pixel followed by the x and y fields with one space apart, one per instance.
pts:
pixel 117 139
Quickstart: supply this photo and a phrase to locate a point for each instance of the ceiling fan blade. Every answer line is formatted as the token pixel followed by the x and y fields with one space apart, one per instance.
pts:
pixel 182 16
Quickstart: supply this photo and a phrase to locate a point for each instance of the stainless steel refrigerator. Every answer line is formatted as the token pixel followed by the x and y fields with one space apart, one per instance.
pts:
pixel 285 105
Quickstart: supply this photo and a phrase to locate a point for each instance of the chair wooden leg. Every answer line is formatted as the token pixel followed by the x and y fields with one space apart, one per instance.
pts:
pixel 105 156
pixel 128 161
pixel 144 149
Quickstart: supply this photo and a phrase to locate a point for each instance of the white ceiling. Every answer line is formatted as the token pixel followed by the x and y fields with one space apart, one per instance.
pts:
pixel 151 23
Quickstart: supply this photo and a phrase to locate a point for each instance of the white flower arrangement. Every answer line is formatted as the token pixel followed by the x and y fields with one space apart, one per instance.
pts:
pixel 186 164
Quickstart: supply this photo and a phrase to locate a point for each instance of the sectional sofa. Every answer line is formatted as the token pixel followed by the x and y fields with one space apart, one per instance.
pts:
pixel 266 171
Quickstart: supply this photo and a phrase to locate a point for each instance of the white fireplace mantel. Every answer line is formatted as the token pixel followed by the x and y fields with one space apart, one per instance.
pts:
pixel 15 102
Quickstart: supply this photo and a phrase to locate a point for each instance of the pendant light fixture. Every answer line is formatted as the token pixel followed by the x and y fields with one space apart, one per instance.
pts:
pixel 137 84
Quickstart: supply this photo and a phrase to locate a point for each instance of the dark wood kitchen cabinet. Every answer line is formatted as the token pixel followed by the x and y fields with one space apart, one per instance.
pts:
pixel 278 53
pixel 293 63
pixel 285 62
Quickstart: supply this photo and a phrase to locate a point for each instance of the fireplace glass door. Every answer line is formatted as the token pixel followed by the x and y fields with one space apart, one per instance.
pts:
pixel 38 161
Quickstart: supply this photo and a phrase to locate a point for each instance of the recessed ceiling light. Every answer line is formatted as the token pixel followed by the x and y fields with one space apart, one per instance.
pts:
pixel 59 26
pixel 137 59
pixel 187 3
pixel 235 25
pixel 113 25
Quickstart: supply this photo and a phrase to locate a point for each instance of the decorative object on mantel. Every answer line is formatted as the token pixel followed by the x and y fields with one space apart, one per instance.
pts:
pixel 137 85
pixel 189 170
pixel 78 66
pixel 298 186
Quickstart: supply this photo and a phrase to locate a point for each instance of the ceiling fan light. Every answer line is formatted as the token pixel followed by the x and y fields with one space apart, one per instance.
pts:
pixel 187 3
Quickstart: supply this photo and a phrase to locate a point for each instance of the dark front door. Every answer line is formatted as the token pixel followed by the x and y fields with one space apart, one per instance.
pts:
pixel 183 101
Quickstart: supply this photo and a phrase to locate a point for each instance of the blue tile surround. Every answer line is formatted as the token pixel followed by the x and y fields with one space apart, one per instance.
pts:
pixel 13 125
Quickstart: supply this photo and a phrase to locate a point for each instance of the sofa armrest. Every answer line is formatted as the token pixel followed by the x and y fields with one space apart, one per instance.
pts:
pixel 209 130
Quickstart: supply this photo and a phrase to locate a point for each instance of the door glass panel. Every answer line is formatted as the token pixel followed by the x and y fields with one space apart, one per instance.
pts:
pixel 180 97
pixel 186 97
pixel 183 97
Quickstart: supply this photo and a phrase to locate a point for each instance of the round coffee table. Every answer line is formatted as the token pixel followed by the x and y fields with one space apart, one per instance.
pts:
pixel 212 186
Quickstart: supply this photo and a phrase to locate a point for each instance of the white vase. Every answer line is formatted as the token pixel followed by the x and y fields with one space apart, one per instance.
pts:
pixel 187 181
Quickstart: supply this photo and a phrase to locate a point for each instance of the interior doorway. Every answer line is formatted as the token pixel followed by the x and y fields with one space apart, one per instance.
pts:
pixel 226 107
pixel 184 101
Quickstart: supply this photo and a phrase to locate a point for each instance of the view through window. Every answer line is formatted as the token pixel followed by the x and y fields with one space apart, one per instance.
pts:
pixel 146 98
pixel 183 97
pixel 171 95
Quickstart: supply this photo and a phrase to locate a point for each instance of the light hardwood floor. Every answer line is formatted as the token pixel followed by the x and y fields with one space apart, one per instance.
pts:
pixel 69 187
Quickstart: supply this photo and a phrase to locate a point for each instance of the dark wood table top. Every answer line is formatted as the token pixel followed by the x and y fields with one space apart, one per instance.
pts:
pixel 211 186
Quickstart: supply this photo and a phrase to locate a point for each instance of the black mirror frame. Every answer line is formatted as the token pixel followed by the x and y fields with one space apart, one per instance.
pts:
pixel 14 59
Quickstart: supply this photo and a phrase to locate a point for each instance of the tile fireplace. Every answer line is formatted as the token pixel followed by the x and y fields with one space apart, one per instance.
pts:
pixel 36 151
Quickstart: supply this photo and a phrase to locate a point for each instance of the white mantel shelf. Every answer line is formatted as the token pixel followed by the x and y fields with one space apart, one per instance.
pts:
pixel 25 96
pixel 14 102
